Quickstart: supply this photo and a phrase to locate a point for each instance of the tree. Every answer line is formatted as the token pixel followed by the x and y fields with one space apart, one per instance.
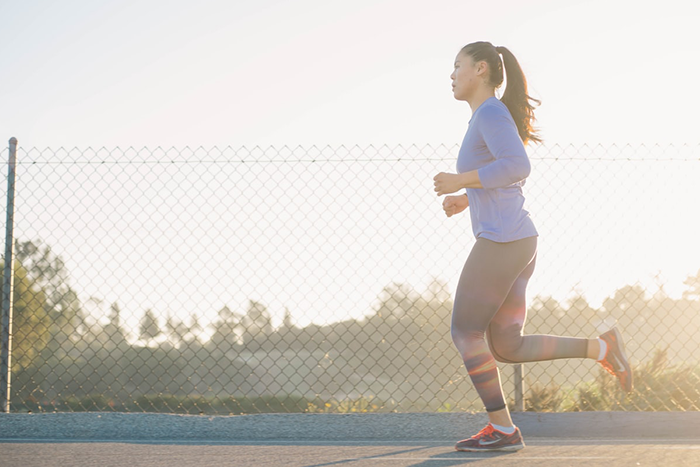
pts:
pixel 227 330
pixel 102 326
pixel 629 301
pixel 580 308
pixel 113 330
pixel 193 330
pixel 435 306
pixel 257 322
pixel 438 290
pixel 396 300
pixel 149 329
pixel 176 330
pixel 693 290
pixel 287 322
pixel 49 273
pixel 30 321
pixel 545 306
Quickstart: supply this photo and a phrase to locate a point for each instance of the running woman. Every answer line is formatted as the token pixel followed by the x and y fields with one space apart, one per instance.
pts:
pixel 489 306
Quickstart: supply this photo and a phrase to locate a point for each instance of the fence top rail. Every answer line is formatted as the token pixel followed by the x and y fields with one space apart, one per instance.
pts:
pixel 343 153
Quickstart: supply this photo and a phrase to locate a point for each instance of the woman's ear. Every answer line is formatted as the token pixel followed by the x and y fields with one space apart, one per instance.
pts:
pixel 482 67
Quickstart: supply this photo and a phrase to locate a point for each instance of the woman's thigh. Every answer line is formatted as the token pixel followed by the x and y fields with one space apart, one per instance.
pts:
pixel 487 277
pixel 506 327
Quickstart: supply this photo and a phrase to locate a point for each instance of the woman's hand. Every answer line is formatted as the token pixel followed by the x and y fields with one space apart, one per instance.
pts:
pixel 447 183
pixel 455 204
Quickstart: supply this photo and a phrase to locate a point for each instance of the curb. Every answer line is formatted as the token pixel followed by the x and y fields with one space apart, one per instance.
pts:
pixel 109 426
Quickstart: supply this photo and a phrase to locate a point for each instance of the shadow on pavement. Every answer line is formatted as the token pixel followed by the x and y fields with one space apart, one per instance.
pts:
pixel 445 458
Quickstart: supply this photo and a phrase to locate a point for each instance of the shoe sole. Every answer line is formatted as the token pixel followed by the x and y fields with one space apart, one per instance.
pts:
pixel 626 363
pixel 513 447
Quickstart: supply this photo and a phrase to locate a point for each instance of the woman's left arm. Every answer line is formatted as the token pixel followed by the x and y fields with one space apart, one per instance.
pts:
pixel 503 141
pixel 511 163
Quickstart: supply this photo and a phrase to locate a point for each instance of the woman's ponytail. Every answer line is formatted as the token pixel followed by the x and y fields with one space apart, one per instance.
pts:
pixel 516 98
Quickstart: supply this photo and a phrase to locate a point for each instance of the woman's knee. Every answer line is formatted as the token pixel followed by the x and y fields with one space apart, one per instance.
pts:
pixel 505 344
pixel 502 356
pixel 467 341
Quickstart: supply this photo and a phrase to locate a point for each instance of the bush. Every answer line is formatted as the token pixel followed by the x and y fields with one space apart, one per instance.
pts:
pixel 658 386
pixel 542 398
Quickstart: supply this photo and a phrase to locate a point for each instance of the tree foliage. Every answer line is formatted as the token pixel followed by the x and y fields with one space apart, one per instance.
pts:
pixel 48 273
pixel 402 346
pixel 30 320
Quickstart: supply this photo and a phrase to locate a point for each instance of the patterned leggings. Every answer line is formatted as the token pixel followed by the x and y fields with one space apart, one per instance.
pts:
pixel 490 302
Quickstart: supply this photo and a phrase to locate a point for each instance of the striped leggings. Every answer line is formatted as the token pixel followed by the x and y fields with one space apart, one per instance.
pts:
pixel 489 314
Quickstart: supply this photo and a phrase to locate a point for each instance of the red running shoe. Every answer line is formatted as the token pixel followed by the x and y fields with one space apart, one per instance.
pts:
pixel 490 439
pixel 615 360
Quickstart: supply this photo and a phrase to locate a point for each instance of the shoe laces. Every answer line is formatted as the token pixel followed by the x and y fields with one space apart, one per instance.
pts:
pixel 486 431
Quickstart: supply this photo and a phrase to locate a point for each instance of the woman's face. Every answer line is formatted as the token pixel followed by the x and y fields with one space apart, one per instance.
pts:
pixel 466 77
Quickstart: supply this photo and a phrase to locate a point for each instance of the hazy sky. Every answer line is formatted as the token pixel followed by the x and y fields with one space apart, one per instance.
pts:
pixel 214 72
pixel 233 73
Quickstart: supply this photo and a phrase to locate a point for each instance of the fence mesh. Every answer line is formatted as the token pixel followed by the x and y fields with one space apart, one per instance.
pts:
pixel 321 279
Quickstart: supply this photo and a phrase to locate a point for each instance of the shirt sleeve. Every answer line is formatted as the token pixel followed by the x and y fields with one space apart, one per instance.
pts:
pixel 503 141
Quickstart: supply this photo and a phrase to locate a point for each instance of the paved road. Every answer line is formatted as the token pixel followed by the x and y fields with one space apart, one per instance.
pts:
pixel 608 439
pixel 541 452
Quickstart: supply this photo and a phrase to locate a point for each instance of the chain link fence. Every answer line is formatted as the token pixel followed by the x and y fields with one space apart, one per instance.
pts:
pixel 320 279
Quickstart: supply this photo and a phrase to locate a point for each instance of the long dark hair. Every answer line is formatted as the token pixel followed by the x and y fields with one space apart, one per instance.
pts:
pixel 515 96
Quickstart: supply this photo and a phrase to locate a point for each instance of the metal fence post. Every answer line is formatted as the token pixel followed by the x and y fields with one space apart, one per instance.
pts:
pixel 8 285
pixel 518 372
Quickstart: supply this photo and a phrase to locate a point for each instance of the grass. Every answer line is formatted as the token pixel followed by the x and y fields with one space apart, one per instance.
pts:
pixel 658 386
pixel 164 403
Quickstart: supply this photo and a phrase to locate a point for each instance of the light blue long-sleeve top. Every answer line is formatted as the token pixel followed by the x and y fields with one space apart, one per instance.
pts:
pixel 493 147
